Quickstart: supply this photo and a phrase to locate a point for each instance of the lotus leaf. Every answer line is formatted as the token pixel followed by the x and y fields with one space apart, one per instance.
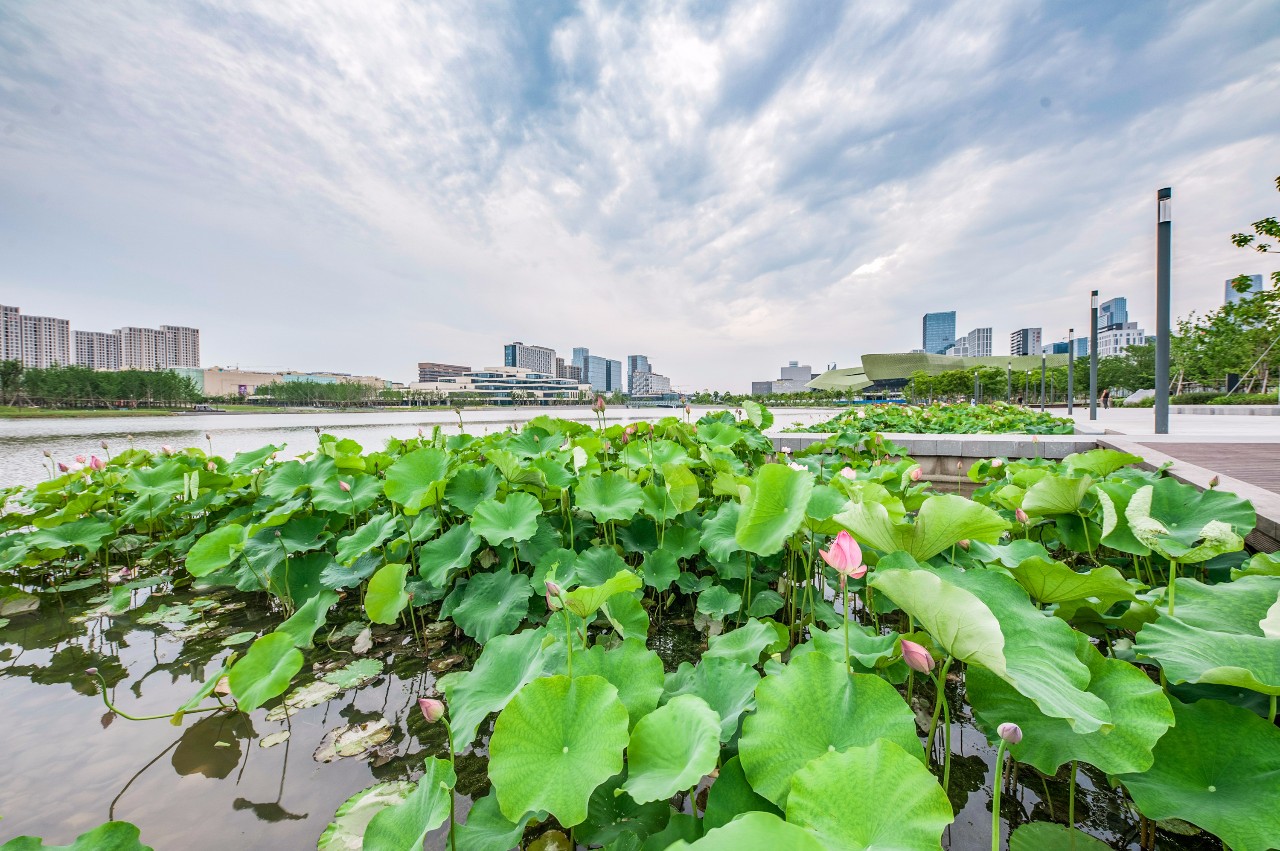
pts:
pixel 719 531
pixel 487 829
pixel 310 616
pixel 773 507
pixel 111 836
pixel 353 740
pixel 554 743
pixel 627 615
pixel 493 604
pixel 754 832
pixel 417 479
pixel 728 686
pixel 507 664
pixel 744 644
pixel 660 569
pixel 265 671
pixel 366 538
pixel 839 710
pixel 671 749
pixel 585 601
pixel 1188 525
pixel 386 597
pixel 633 669
pixel 440 559
pixel 404 826
pixel 1047 836
pixel 470 486
pixel 609 496
pixel 354 674
pixel 346 831
pixel 514 519
pixel 216 550
pixel 718 602
pixel 942 521
pixel 1099 462
pixel 731 795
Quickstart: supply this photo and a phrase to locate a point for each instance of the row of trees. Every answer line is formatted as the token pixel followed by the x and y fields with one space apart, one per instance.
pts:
pixel 81 387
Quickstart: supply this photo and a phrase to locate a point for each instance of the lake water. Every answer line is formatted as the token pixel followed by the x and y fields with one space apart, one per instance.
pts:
pixel 23 441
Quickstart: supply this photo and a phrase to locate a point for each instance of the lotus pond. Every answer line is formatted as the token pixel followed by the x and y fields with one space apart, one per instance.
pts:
pixel 993 418
pixel 645 637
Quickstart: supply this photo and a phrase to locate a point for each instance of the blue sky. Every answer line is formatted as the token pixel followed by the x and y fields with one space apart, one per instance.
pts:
pixel 724 186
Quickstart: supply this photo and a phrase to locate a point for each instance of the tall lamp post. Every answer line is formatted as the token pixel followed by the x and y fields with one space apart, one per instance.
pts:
pixel 1071 371
pixel 1008 383
pixel 1093 355
pixel 1043 358
pixel 1164 233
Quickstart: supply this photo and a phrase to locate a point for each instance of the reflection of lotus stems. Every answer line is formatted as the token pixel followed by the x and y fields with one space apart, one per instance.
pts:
pixel 940 686
pixel 94 672
pixel 448 737
pixel 995 799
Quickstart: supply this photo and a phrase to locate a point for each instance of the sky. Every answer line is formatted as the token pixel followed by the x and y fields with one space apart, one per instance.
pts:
pixel 722 186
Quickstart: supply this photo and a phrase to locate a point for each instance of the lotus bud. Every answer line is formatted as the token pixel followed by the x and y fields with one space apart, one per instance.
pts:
pixel 845 556
pixel 80 459
pixel 208 436
pixel 630 429
pixel 598 405
pixel 103 444
pixel 996 464
pixel 211 466
pixel 1022 516
pixel 63 468
pixel 964 543
pixel 126 573
pixel 917 657
pixel 48 454
pixel 626 438
pixel 798 467
pixel 786 450
pixel 166 449
pixel 97 463
pixel 346 488
pixel 688 410
pixel 916 474
pixel 1010 732
pixel 432 709
pixel 849 473
pixel 420 433
pixel 93 672
pixel 1213 483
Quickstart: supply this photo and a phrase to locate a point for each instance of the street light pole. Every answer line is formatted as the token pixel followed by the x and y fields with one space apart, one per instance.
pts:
pixel 1093 355
pixel 1043 358
pixel 1164 233
pixel 1071 371
pixel 1008 383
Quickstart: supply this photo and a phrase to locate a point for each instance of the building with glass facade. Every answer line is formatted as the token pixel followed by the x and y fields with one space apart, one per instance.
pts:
pixel 1114 312
pixel 939 332
pixel 1026 341
pixel 1230 294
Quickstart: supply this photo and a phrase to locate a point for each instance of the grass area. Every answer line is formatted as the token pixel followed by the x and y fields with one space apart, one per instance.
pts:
pixel 11 412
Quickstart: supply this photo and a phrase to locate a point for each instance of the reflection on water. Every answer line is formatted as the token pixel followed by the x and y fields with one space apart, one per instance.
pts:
pixel 23 441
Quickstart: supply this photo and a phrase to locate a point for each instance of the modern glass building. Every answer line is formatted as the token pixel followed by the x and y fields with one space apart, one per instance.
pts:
pixel 1230 294
pixel 604 375
pixel 939 332
pixel 1113 312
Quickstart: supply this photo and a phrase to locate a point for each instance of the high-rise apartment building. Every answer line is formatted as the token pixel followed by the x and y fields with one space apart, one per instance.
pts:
pixel 975 344
pixel 538 359
pixel 1115 339
pixel 98 350
pixel 431 371
pixel 649 384
pixel 10 333
pixel 637 367
pixel 143 348
pixel 182 347
pixel 1026 341
pixel 46 342
pixel 1230 294
pixel 1112 313
pixel 939 331
pixel 568 370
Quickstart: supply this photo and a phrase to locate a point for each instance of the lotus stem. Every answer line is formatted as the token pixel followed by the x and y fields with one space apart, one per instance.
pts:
pixel 448 733
pixel 940 685
pixel 94 672
pixel 946 745
pixel 1071 801
pixel 568 640
pixel 995 798
pixel 848 668
pixel 1271 716
pixel 1173 584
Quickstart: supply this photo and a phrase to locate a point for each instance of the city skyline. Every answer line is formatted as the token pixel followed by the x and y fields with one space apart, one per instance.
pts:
pixel 784 164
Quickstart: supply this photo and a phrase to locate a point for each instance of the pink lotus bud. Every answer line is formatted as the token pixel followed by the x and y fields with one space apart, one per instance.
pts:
pixel 554 593
pixel 1010 732
pixel 208 436
pixel 420 433
pixel 93 672
pixel 916 474
pixel 103 444
pixel 211 466
pixel 849 473
pixel 626 438
pixel 996 464
pixel 630 429
pixel 432 709
pixel 97 463
pixel 598 404
pixel 964 544
pixel 917 657
pixel 63 468
pixel 845 556
pixel 688 410
pixel 1213 483
pixel 346 488
pixel 1022 516
pixel 80 459
pixel 166 449
pixel 48 454
pixel 126 573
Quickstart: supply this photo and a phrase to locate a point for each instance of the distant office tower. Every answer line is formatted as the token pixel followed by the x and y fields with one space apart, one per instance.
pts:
pixel 182 347
pixel 792 379
pixel 604 375
pixel 46 342
pixel 613 380
pixel 1026 341
pixel 636 365
pixel 568 370
pixel 538 359
pixel 978 343
pixel 1116 338
pixel 431 371
pixel 98 349
pixel 1082 347
pixel 1231 295
pixel 1114 312
pixel 939 331
pixel 649 384
pixel 143 348
pixel 1059 348
pixel 10 333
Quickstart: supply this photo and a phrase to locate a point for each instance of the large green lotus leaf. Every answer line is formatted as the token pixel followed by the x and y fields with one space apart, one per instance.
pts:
pixel 586 600
pixel 686 541
pixel 657 504
pixel 754 831
pixel 633 669
pixel 660 569
pixel 914 821
pixel 301 626
pixel 772 508
pixel 515 519
pixel 1260 564
pixel 1139 710
pixel 441 558
pixel 1226 634
pixel 471 485
pixel 1113 499
pixel 1049 581
pixel 265 671
pixel 728 686
pixel 984 617
pixel 386 597
pixel 404 826
pixel 506 665
pixel 614 818
pixel 1099 462
pixel 418 479
pixel 814 706
pixel 303 534
pixel 86 534
pixel 825 502
pixel 365 490
pixel 745 644
pixel 627 615
pixel 681 485
pixel 372 534
pixel 718 602
pixel 1188 525
pixel 869 652
pixel 943 521
pixel 609 496
pixel 513 470
pixel 597 566
pixel 1056 494
pixel 346 831
pixel 1213 768
pixel 487 829
pixel 286 479
pixel 719 531
pixel 216 550
pixel 493 604
pixel 1048 836
pixel 731 795
pixel 760 416
pixel 671 749
pixel 243 462
pixel 111 836
pixel 554 744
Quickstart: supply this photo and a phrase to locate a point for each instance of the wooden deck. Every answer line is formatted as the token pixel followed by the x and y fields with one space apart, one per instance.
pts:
pixel 1255 463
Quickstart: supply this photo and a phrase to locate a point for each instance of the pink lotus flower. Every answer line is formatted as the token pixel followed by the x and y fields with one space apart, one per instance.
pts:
pixel 917 657
pixel 630 429
pixel 1010 732
pixel 166 449
pixel 1022 516
pixel 845 557
pixel 346 488
pixel 211 466
pixel 63 468
pixel 80 459
pixel 917 474
pixel 432 709
pixel 849 473
pixel 96 463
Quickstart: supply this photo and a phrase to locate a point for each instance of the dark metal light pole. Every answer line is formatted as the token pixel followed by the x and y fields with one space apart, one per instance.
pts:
pixel 1093 355
pixel 1164 233
pixel 1071 371
pixel 1008 383
pixel 975 387
pixel 1043 358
